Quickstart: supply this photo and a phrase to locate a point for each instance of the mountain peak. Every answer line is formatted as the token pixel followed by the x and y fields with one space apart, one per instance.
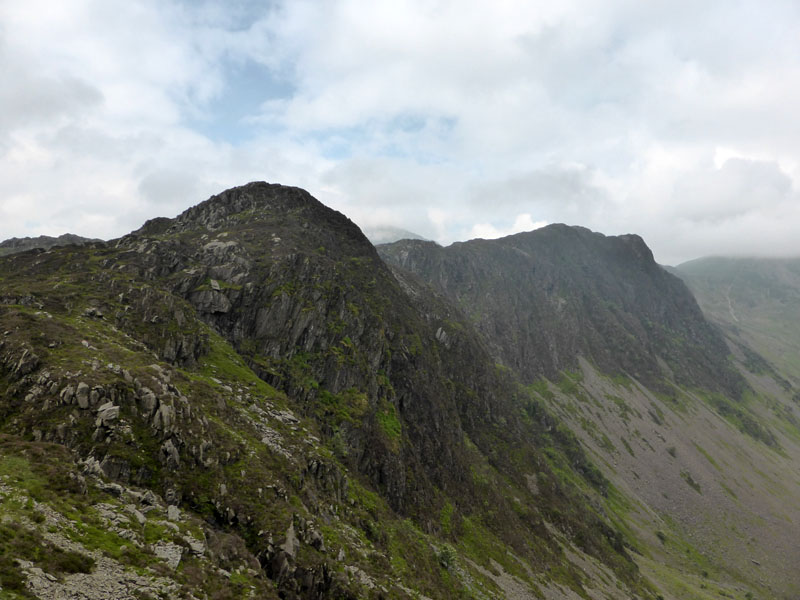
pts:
pixel 260 210
pixel 549 296
pixel 254 196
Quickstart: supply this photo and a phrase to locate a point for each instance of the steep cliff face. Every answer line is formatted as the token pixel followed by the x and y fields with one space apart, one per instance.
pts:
pixel 343 430
pixel 305 299
pixel 546 297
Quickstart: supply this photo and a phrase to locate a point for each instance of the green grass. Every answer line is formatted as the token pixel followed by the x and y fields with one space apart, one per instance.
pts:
pixel 708 457
pixel 541 387
pixel 349 406
pixel 741 418
pixel 627 446
pixel 222 362
pixel 569 383
pixel 389 423
pixel 622 381
pixel 687 477
pixel 446 518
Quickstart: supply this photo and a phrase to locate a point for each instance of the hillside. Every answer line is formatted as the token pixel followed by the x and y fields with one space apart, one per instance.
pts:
pixel 545 297
pixel 688 424
pixel 250 402
pixel 756 300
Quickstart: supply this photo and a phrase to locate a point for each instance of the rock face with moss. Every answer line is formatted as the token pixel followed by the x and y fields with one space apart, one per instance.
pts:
pixel 246 401
pixel 545 297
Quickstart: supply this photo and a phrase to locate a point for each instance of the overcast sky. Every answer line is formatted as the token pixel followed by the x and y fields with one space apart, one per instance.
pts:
pixel 677 120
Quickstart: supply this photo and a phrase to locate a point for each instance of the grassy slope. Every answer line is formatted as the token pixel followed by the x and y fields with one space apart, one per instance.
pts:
pixel 756 300
pixel 712 508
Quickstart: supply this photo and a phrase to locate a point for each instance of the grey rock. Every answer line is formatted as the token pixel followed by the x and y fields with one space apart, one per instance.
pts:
pixel 197 547
pixel 140 518
pixel 115 468
pixel 169 553
pixel 147 401
pixel 13 245
pixel 149 498
pixel 80 480
pixel 164 418
pixel 291 545
pixel 68 394
pixel 211 301
pixel 114 489
pixel 316 541
pixel 281 566
pixel 169 455
pixel 92 467
pixel 173 513
pixel 93 312
pixel 28 363
pixel 82 395
pixel 95 395
pixel 107 413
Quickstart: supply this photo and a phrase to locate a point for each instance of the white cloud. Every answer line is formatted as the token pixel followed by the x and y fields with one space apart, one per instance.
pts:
pixel 523 222
pixel 675 120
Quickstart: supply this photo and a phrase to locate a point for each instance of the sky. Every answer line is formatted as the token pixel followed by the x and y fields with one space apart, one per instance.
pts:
pixel 677 120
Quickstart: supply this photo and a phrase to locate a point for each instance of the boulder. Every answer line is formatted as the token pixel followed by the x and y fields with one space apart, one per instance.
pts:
pixel 82 395
pixel 107 413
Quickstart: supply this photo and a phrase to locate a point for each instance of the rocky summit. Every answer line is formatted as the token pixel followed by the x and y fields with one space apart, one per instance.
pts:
pixel 14 245
pixel 251 401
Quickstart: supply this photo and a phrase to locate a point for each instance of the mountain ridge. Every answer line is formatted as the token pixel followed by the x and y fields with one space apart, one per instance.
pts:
pixel 318 423
pixel 12 245
pixel 565 272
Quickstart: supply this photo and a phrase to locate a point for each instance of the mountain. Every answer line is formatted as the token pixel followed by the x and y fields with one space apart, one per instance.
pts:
pixel 756 300
pixel 386 233
pixel 13 245
pixel 545 297
pixel 683 419
pixel 250 400
pixel 245 399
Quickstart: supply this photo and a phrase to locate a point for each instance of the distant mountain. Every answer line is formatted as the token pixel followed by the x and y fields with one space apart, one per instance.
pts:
pixel 756 300
pixel 545 297
pixel 386 234
pixel 13 245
